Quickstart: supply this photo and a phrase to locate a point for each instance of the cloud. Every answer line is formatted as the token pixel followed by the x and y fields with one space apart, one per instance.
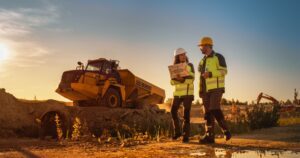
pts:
pixel 22 21
pixel 17 27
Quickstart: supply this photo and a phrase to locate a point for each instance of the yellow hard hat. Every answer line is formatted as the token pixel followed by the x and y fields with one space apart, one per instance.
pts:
pixel 205 41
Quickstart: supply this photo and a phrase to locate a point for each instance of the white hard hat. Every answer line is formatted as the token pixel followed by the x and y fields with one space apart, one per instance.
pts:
pixel 179 51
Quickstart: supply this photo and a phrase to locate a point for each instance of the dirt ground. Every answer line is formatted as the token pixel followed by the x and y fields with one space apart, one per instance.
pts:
pixel 19 116
pixel 280 139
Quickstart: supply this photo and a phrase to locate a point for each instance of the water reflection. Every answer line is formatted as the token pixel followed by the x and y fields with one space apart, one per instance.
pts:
pixel 228 153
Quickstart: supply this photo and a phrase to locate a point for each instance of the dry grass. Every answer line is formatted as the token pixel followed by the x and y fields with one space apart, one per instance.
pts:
pixel 289 121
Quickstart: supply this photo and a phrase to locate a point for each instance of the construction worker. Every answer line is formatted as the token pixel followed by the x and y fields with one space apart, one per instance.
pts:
pixel 184 93
pixel 212 70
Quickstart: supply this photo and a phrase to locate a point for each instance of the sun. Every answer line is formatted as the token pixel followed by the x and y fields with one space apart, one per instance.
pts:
pixel 3 52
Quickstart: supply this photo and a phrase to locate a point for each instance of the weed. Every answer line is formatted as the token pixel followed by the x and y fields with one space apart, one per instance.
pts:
pixel 76 129
pixel 58 127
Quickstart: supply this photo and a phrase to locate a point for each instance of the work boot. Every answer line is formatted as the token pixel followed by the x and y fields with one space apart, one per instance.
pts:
pixel 227 135
pixel 208 138
pixel 186 134
pixel 176 136
pixel 185 140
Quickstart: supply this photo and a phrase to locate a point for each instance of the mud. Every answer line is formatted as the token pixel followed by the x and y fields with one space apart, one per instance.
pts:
pixel 165 148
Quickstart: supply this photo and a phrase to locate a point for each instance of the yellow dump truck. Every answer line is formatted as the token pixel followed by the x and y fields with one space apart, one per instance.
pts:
pixel 101 82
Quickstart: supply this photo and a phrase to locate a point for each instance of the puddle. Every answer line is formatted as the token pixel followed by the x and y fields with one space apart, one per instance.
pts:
pixel 266 154
pixel 198 154
pixel 223 153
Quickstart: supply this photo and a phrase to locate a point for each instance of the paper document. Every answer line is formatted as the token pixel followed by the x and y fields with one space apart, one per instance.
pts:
pixel 178 69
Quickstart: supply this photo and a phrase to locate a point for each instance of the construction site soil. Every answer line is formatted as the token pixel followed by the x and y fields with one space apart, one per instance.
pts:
pixel 23 123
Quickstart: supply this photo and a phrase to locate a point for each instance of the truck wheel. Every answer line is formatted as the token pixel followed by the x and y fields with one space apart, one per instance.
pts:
pixel 112 98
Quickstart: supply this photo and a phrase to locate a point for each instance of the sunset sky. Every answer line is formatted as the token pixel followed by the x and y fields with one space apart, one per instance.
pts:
pixel 40 39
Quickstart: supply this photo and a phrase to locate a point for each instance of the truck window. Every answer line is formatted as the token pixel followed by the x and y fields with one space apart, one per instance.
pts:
pixel 94 67
pixel 106 69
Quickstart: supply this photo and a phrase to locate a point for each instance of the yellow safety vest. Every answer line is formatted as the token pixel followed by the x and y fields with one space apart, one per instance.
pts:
pixel 187 87
pixel 217 69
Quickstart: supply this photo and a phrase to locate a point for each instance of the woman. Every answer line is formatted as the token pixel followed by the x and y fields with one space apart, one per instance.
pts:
pixel 184 93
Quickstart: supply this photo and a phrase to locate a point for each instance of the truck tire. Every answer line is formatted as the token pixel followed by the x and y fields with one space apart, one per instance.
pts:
pixel 112 98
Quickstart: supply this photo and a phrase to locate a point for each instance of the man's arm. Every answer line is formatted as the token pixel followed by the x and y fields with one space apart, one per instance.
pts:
pixel 222 67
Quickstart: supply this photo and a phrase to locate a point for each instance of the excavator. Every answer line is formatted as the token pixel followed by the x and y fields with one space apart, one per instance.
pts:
pixel 102 82
pixel 283 108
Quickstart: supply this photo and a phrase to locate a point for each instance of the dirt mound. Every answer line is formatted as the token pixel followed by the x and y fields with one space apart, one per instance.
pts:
pixel 14 116
pixel 126 121
pixel 21 117
pixel 35 118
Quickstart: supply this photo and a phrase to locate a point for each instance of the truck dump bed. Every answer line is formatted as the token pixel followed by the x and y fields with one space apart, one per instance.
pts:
pixel 139 90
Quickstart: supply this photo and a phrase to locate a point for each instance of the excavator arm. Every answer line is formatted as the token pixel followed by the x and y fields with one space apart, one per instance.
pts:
pixel 265 96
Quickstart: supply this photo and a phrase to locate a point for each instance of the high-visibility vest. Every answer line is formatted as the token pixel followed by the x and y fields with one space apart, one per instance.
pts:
pixel 215 64
pixel 187 87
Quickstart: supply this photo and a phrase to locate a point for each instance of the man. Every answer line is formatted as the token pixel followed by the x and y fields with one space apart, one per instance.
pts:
pixel 213 69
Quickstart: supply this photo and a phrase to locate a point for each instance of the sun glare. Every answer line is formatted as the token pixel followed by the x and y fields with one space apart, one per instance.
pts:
pixel 3 52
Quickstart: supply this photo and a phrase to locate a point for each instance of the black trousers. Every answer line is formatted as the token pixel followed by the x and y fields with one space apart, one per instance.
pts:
pixel 187 103
pixel 212 101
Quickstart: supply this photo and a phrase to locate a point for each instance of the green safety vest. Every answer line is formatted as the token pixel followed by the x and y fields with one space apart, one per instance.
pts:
pixel 187 87
pixel 216 66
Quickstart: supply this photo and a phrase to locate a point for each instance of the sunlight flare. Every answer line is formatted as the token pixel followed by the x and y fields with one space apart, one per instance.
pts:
pixel 3 52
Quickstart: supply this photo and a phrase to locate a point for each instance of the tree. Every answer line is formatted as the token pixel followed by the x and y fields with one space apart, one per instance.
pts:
pixel 288 102
pixel 224 101
pixel 232 101
pixel 296 101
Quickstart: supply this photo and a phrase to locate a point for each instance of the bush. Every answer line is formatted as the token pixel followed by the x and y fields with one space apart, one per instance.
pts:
pixel 239 125
pixel 262 117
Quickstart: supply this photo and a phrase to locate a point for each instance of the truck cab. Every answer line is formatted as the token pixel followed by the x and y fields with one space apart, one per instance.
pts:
pixel 101 70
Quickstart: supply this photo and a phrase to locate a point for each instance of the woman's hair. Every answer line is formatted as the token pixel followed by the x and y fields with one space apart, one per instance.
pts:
pixel 176 59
